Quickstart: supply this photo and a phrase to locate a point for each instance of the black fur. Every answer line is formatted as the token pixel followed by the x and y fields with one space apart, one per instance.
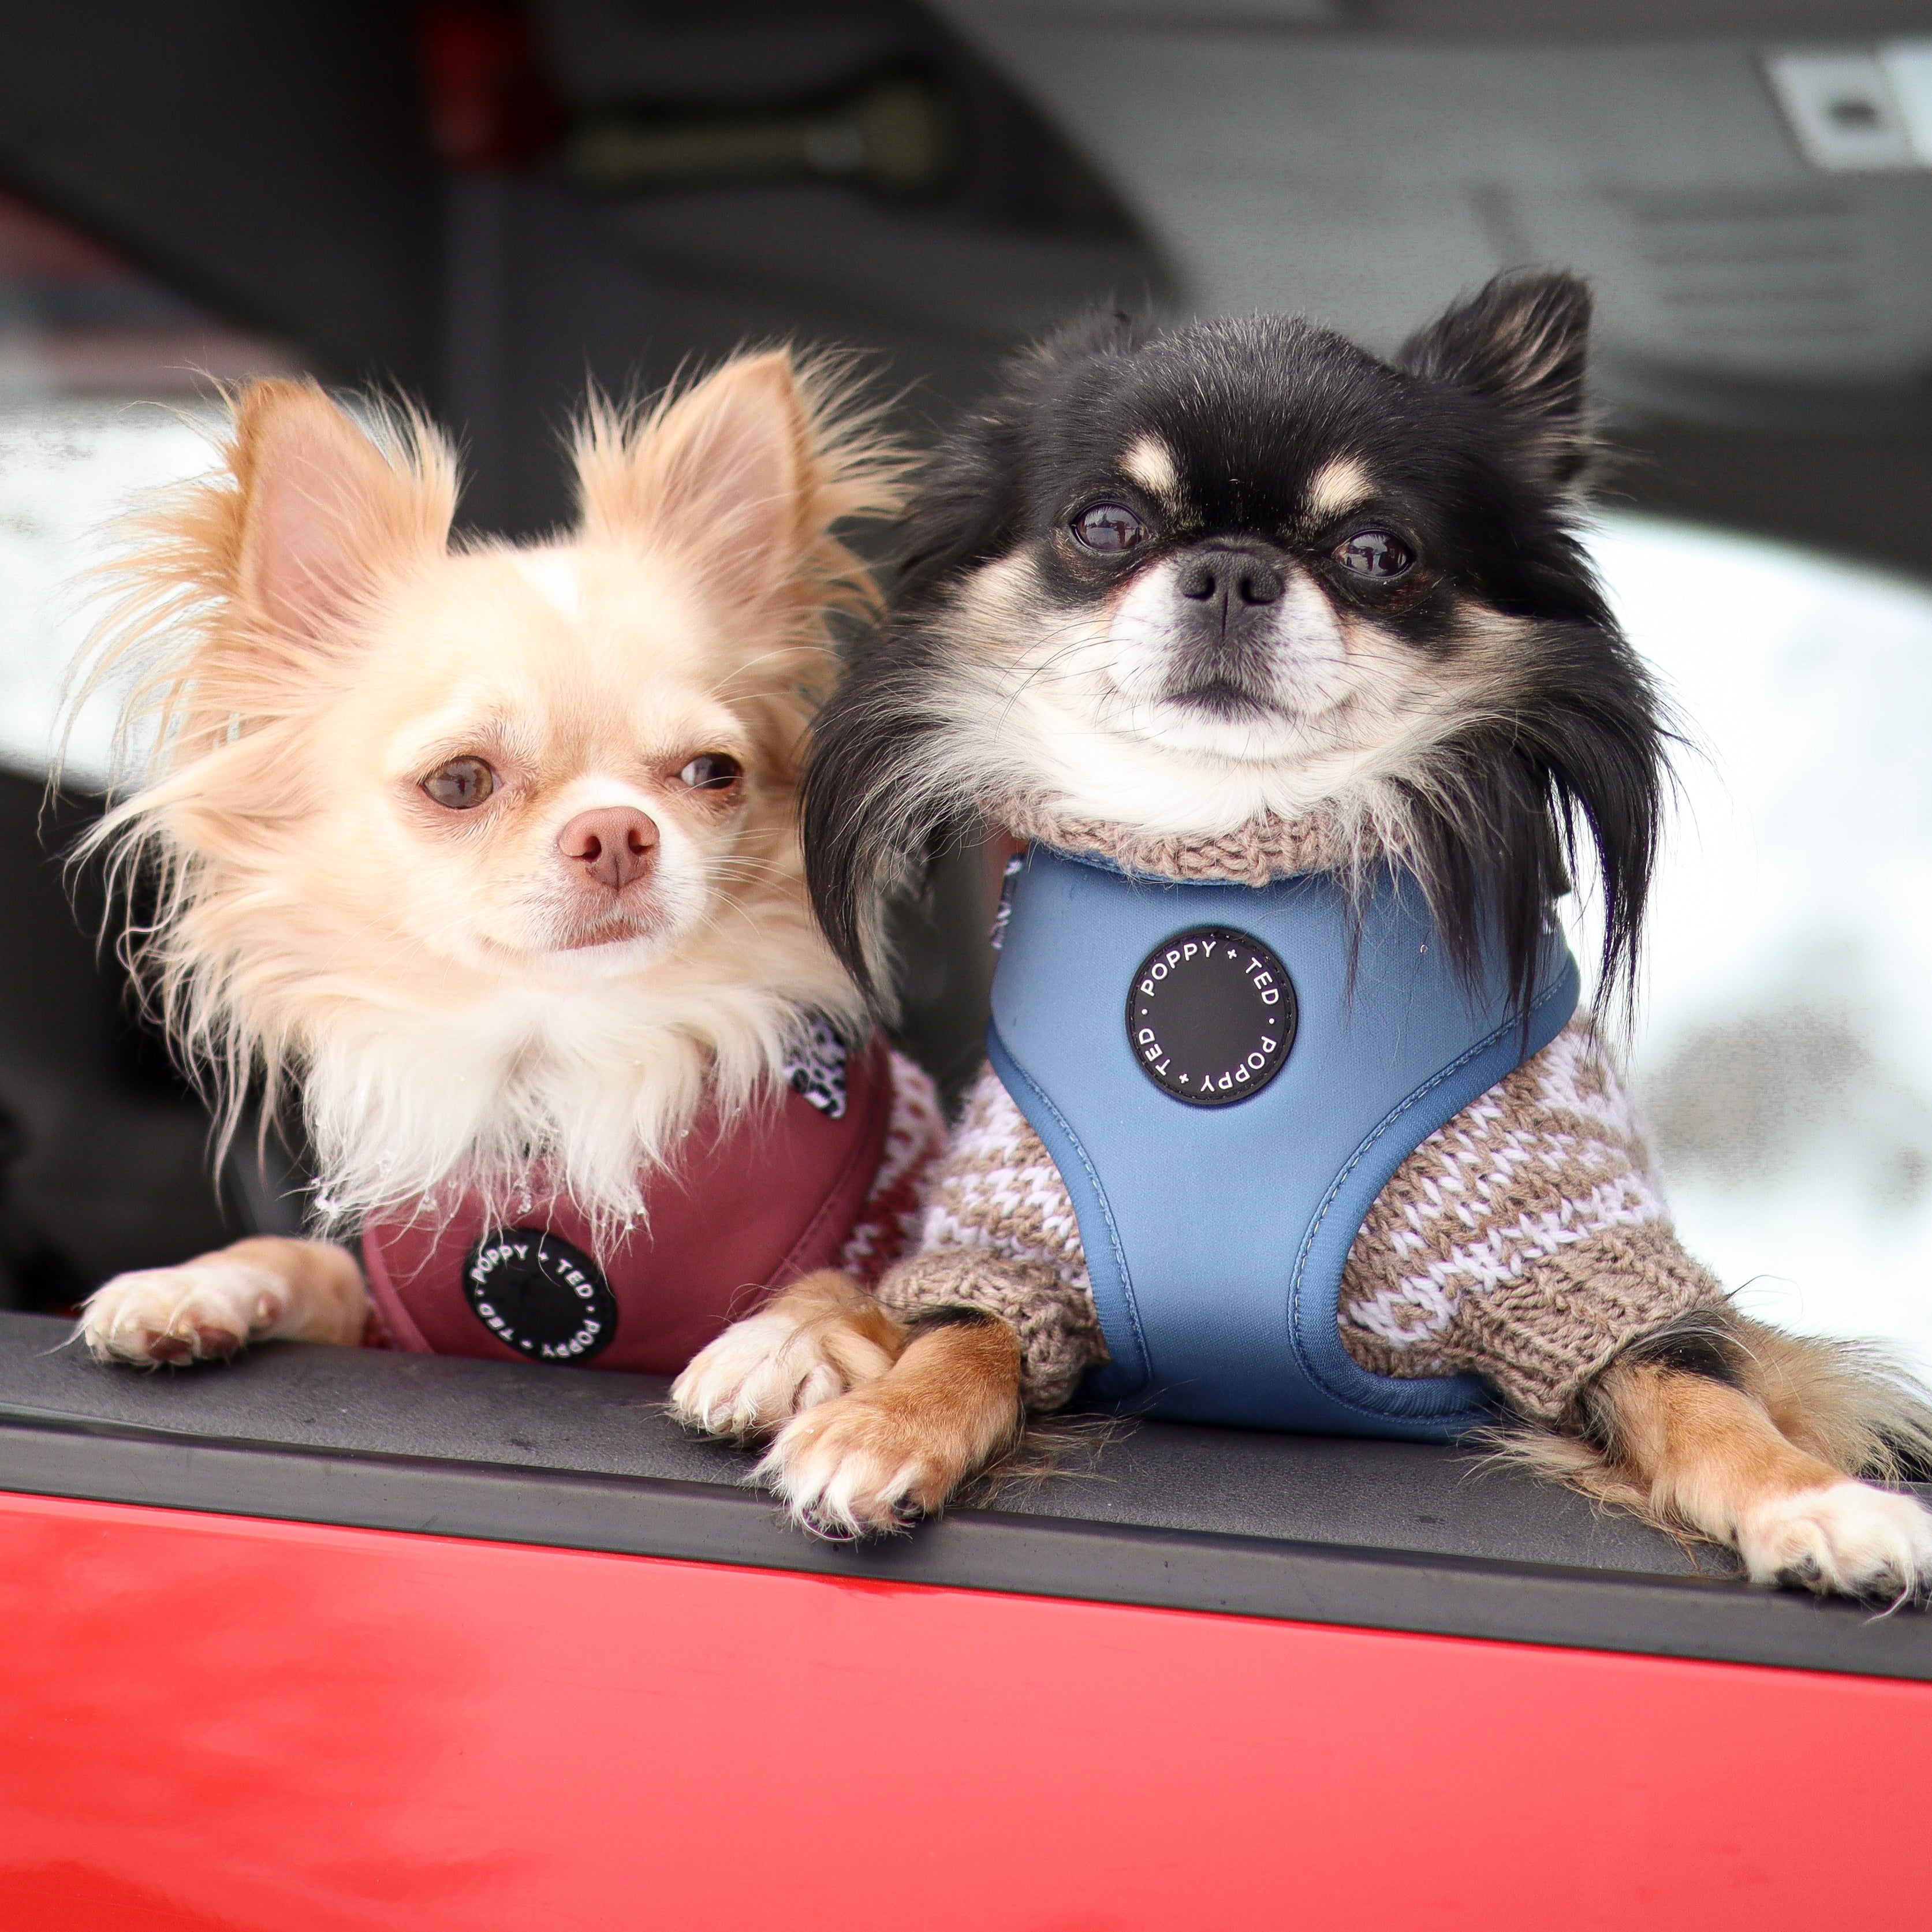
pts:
pixel 1703 1342
pixel 1472 437
pixel 949 1314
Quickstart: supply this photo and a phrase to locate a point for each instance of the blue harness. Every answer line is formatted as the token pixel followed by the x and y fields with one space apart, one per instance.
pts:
pixel 1226 1084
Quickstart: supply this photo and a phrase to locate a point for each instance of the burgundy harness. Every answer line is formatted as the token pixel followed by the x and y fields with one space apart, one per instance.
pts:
pixel 738 1214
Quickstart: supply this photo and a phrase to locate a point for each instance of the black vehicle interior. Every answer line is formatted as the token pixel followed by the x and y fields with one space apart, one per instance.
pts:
pixel 485 205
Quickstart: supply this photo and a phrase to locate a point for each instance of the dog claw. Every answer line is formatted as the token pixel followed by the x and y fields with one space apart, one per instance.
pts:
pixel 826 1528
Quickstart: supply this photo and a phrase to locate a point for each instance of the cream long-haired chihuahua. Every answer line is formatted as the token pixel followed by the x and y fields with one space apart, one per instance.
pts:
pixel 486 853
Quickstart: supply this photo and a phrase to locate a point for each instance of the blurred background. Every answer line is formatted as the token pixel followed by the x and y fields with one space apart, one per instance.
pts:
pixel 483 205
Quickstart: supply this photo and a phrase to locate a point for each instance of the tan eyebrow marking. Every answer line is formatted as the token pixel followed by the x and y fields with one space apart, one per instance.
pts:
pixel 1151 463
pixel 1338 484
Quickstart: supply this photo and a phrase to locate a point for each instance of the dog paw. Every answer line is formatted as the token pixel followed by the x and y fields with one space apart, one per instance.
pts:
pixel 1847 1538
pixel 760 1372
pixel 858 1466
pixel 202 1311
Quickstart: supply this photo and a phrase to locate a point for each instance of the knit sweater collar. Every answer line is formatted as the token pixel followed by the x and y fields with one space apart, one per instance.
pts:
pixel 1264 849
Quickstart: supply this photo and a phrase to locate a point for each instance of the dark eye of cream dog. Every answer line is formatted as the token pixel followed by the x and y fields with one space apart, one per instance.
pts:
pixel 1110 528
pixel 713 771
pixel 1375 554
pixel 460 785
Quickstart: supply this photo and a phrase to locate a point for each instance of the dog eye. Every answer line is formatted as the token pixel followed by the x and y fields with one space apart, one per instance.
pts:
pixel 1375 554
pixel 461 784
pixel 713 771
pixel 1109 527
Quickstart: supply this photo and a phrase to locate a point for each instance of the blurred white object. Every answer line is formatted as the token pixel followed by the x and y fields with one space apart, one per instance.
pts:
pixel 1784 1054
pixel 1843 109
pixel 1908 68
pixel 1857 110
pixel 66 467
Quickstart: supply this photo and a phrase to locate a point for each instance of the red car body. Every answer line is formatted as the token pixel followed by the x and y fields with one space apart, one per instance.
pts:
pixel 249 1709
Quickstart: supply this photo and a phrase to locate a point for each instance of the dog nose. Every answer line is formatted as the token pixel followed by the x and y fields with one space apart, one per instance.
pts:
pixel 615 845
pixel 1236 576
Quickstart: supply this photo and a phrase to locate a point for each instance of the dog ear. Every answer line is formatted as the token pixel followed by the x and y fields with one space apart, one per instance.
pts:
pixel 1522 342
pixel 323 512
pixel 746 467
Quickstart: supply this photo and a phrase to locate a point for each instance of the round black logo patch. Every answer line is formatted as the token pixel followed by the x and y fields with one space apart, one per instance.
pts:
pixel 1211 1016
pixel 545 1298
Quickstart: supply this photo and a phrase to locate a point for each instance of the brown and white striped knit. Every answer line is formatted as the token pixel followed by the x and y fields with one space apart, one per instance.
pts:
pixel 1525 1242
pixel 891 1219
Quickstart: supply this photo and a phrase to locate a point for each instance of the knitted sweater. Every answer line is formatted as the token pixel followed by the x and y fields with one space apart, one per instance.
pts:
pixel 1525 1242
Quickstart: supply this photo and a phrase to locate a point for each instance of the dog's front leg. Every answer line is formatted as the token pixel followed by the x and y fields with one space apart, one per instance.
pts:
pixel 810 1343
pixel 876 1459
pixel 267 1288
pixel 1709 1456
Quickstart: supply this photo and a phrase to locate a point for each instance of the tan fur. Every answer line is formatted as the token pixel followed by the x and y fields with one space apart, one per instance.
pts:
pixel 853 1332
pixel 326 1302
pixel 1151 463
pixel 457 1003
pixel 820 1338
pixel 1702 1453
pixel 1849 1403
pixel 1337 487
pixel 266 1289
pixel 897 1448
pixel 860 1339
pixel 1696 1457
